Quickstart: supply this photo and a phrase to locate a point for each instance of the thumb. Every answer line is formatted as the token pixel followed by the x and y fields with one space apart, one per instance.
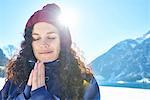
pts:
pixel 30 79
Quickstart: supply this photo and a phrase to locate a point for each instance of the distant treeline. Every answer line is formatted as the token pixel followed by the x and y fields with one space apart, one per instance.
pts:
pixel 2 72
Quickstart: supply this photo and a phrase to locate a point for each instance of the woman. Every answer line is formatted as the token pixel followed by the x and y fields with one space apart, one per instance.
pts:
pixel 47 68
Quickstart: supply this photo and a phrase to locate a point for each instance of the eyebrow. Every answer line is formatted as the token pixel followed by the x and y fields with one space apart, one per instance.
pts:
pixel 35 34
pixel 46 33
pixel 51 32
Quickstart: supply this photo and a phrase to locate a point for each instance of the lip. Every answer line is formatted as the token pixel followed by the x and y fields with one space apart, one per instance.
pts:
pixel 45 52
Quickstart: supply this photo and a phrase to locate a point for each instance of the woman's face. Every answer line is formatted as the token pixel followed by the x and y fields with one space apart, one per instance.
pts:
pixel 46 42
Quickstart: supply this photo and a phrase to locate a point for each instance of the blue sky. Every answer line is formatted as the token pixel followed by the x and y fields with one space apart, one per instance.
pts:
pixel 99 26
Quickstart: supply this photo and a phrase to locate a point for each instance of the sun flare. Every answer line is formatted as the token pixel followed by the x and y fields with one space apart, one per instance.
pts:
pixel 69 17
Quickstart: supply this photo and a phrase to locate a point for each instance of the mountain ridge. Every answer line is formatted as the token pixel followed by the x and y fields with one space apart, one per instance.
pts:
pixel 127 61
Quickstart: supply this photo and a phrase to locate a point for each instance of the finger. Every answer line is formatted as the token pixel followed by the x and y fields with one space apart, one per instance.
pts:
pixel 35 78
pixel 41 74
pixel 30 79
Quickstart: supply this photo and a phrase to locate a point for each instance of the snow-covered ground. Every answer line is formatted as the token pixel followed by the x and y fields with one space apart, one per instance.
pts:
pixel 2 82
pixel 116 93
pixel 120 93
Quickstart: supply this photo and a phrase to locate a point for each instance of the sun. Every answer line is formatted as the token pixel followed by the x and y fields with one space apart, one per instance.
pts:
pixel 69 17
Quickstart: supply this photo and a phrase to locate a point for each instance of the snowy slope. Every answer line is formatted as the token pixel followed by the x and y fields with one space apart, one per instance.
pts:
pixel 2 82
pixel 118 93
pixel 127 61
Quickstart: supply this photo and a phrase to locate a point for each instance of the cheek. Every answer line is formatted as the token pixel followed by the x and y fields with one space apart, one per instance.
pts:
pixel 54 43
pixel 34 47
pixel 58 46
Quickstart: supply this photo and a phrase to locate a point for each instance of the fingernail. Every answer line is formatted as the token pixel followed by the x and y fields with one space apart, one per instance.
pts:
pixel 35 66
pixel 38 61
pixel 32 71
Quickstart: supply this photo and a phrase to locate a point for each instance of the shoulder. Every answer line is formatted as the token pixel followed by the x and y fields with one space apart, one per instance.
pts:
pixel 5 89
pixel 6 86
pixel 92 90
pixel 8 89
pixel 93 85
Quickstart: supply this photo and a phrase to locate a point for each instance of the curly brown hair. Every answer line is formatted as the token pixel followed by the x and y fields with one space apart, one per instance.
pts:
pixel 71 67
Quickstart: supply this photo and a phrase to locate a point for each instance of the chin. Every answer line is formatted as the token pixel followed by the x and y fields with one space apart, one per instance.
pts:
pixel 47 60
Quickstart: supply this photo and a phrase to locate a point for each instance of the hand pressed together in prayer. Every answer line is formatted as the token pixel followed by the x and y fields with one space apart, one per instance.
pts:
pixel 37 76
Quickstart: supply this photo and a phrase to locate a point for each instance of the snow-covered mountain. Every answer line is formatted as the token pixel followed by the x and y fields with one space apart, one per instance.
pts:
pixel 142 38
pixel 126 62
pixel 3 58
pixel 6 52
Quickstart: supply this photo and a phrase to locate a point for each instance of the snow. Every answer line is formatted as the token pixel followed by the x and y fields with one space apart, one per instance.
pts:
pixel 116 93
pixel 144 80
pixel 2 67
pixel 140 40
pixel 147 36
pixel 133 45
pixel 120 82
pixel 2 82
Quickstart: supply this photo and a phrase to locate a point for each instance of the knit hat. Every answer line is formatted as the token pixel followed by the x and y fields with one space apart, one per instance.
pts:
pixel 50 14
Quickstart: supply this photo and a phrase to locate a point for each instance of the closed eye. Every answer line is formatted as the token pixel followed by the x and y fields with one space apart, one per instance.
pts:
pixel 36 39
pixel 51 38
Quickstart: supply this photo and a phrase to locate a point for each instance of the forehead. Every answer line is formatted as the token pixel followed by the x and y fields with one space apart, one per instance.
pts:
pixel 44 27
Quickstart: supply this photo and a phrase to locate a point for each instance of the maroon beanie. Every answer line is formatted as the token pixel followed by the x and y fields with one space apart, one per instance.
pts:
pixel 50 14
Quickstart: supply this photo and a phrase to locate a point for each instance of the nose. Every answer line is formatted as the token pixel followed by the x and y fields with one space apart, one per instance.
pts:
pixel 44 43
